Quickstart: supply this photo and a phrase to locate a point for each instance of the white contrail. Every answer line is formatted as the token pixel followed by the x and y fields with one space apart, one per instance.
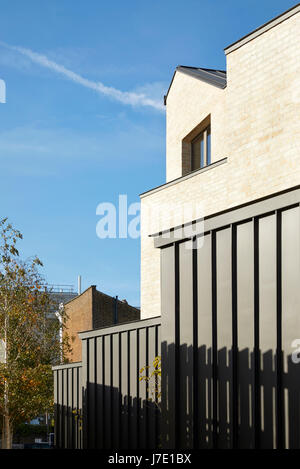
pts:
pixel 125 97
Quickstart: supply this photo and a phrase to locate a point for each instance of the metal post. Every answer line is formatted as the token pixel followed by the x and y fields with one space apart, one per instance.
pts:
pixel 79 284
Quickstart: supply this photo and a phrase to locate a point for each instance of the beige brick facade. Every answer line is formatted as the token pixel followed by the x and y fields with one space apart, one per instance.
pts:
pixel 254 124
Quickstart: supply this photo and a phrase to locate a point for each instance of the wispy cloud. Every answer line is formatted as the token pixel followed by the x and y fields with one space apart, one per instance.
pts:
pixel 125 97
pixel 36 150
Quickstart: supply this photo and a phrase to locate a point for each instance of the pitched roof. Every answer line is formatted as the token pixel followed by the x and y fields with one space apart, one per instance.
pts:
pixel 208 75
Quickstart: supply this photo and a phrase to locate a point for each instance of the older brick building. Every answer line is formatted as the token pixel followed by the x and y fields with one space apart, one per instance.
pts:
pixel 220 260
pixel 94 310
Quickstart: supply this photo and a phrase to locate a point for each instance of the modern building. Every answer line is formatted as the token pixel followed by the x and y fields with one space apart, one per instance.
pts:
pixel 220 248
pixel 232 137
pixel 91 310
pixel 220 270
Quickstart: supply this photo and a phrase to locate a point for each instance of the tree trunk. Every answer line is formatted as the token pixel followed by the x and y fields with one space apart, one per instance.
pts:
pixel 7 433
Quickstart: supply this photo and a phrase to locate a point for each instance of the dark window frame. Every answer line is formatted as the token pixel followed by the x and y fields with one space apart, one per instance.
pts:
pixel 205 154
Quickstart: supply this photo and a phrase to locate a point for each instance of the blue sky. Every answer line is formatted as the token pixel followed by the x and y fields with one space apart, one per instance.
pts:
pixel 68 143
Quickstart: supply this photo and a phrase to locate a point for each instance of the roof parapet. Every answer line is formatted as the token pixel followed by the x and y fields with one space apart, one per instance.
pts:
pixel 262 29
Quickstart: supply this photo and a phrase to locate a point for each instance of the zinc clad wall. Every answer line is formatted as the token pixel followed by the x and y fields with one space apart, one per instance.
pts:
pixel 68 406
pixel 231 304
pixel 101 403
pixel 117 411
pixel 230 324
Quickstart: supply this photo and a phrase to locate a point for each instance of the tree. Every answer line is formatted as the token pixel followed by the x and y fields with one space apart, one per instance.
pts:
pixel 29 334
pixel 152 378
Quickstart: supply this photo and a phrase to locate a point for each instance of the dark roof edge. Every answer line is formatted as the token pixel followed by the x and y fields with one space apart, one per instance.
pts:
pixel 205 75
pixel 228 210
pixel 201 74
pixel 121 327
pixel 262 29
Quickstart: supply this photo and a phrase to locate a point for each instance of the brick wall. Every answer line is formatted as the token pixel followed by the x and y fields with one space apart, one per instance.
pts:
pixel 254 123
pixel 105 307
pixel 79 312
pixel 93 310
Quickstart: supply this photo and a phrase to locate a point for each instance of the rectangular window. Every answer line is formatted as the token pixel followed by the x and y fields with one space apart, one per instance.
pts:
pixel 201 149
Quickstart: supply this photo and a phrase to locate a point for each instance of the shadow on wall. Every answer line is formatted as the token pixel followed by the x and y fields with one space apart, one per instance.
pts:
pixel 109 421
pixel 238 400
pixel 224 399
pixel 119 422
